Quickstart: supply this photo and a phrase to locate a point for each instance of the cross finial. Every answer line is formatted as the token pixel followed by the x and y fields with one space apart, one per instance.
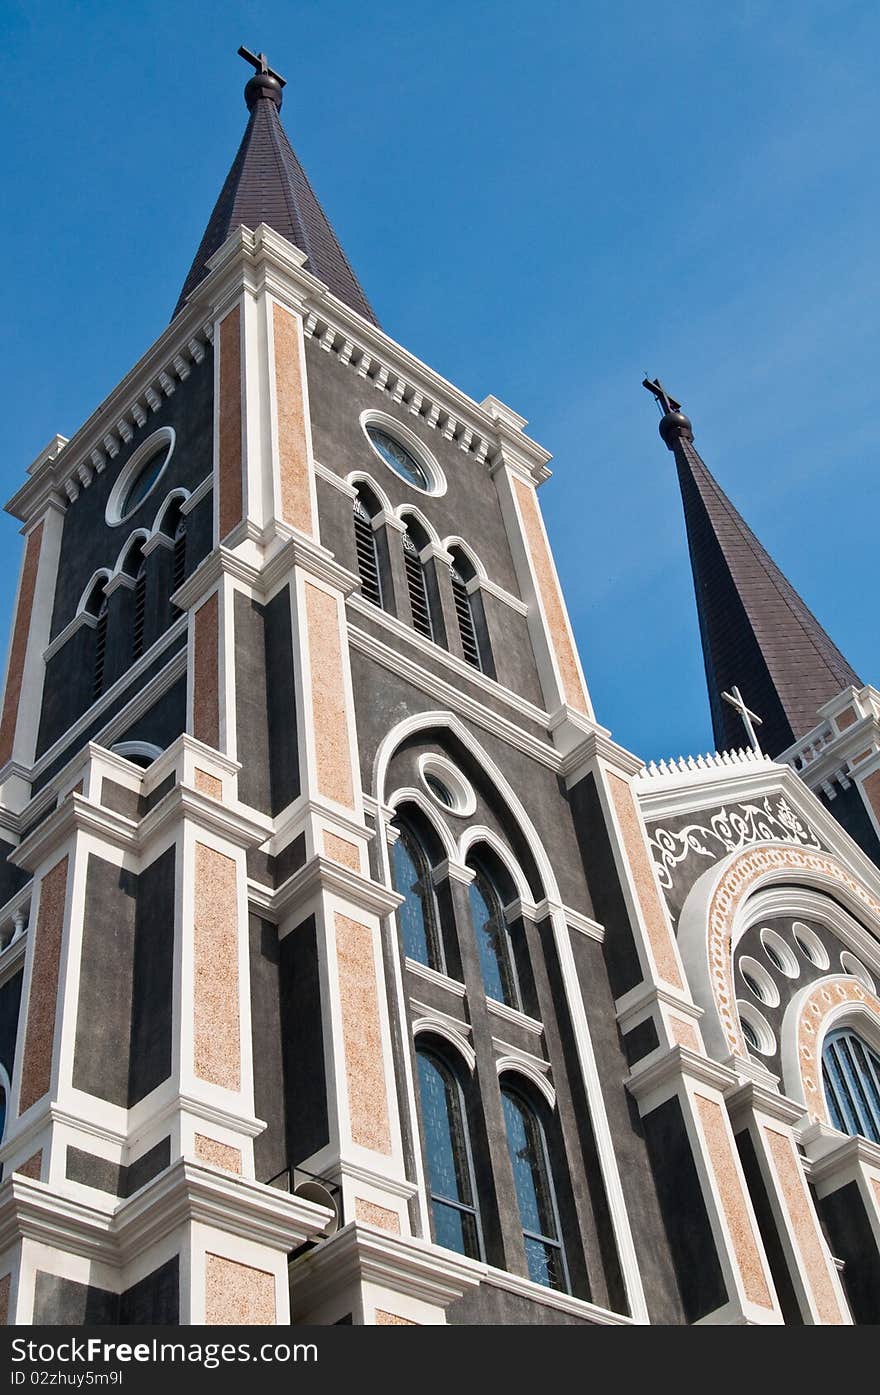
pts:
pixel 664 401
pixel 260 63
pixel 735 698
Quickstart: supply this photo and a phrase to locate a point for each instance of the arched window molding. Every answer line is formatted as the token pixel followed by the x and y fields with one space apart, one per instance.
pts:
pixel 411 795
pixel 820 1007
pixel 90 600
pixel 424 1028
pixel 446 1146
pixel 359 478
pixel 470 612
pixel 130 553
pixel 138 752
pixel 5 1101
pixel 535 1187
pixel 478 834
pixel 508 1067
pixel 425 533
pixel 176 497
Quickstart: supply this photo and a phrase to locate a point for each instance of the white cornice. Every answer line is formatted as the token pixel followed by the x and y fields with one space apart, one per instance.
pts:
pixel 321 874
pixel 264 260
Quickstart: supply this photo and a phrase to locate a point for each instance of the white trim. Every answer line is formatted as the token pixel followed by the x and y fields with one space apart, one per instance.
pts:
pixel 127 749
pixel 438 1027
pixel 448 774
pixel 516 1065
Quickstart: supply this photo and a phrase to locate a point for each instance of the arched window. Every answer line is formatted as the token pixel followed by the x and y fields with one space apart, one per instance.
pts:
pixel 535 1193
pixel 417 916
pixel 419 601
pixel 2 1110
pixel 178 563
pixel 140 609
pixel 100 642
pixel 851 1076
pixel 470 622
pixel 493 941
pixel 448 1165
pixel 366 547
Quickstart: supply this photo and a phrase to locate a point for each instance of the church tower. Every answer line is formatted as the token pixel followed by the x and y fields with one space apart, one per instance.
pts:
pixel 759 637
pixel 350 972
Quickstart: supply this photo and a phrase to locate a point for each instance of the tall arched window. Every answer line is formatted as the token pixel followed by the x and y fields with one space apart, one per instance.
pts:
pixel 417 916
pixel 140 609
pixel 101 611
pixel 455 1219
pixel 535 1193
pixel 470 619
pixel 178 565
pixel 493 941
pixel 851 1076
pixel 416 582
pixel 367 549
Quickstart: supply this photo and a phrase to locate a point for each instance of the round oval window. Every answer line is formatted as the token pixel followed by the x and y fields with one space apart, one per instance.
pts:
pixel 143 482
pixel 397 457
pixel 140 476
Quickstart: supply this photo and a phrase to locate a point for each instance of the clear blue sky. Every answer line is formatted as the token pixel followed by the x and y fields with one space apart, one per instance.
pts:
pixel 542 201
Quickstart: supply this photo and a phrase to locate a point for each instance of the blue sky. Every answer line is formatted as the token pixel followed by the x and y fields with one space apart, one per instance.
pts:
pixel 543 202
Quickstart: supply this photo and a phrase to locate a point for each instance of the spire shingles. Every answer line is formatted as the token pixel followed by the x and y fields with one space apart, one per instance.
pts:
pixel 756 631
pixel 267 184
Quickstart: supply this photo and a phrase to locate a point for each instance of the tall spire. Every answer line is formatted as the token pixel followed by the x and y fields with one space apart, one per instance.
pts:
pixel 757 633
pixel 267 184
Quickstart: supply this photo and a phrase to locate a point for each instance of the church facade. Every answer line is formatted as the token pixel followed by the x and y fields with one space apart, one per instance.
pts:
pixel 350 971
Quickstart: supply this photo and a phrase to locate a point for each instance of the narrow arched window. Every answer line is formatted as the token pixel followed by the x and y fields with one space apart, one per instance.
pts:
pixel 2 1112
pixel 417 916
pixel 493 941
pixel 101 612
pixel 140 609
pixel 178 563
pixel 454 1216
pixel 417 586
pixel 367 551
pixel 535 1193
pixel 471 623
pixel 851 1076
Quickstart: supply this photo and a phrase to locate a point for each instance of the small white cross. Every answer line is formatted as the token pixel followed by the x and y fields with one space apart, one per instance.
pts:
pixel 735 698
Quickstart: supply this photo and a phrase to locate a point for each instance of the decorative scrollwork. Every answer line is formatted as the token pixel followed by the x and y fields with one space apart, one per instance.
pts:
pixel 727 831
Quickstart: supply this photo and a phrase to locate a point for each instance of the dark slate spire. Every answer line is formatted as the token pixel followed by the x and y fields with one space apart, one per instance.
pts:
pixel 267 184
pixel 756 631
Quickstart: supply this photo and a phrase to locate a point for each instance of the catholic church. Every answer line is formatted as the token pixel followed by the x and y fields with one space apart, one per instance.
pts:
pixel 350 971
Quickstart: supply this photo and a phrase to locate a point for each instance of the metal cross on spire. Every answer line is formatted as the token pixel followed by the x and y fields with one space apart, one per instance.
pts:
pixel 735 698
pixel 260 62
pixel 664 401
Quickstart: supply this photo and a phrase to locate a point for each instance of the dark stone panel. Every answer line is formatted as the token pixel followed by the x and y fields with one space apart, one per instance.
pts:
pixel 488 1305
pixel 199 532
pixel 68 686
pixel 12 878
pixel 270 1150
pixel 621 956
pixel 305 1090
pixel 91 1171
pixel 101 1053
pixel 158 794
pixel 641 1040
pixel 152 978
pixel 122 800
pixel 849 1235
pixel 116 1178
pixel 66 1303
pixel 165 719
pixel 260 866
pixel 88 542
pixel 437 996
pixel 695 1258
pixel 10 1004
pixel 251 718
pixel 769 1230
pixel 848 807
pixel 290 859
pixel 147 1166
pixel 281 702
pixel 155 1300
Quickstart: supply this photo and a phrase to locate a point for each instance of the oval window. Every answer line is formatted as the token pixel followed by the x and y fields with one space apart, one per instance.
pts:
pixel 397 457
pixel 140 476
